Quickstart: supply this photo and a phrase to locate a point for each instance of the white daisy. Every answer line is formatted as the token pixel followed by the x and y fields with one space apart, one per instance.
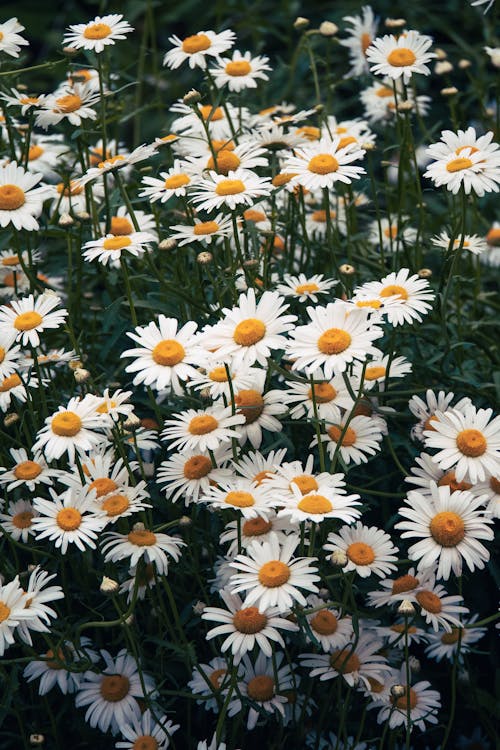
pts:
pixel 425 411
pixel 380 369
pixel 202 231
pixel 38 593
pixel 189 474
pixel 390 235
pixel 240 494
pixel 327 627
pixel 324 163
pixel 122 224
pixel 25 318
pixel 400 56
pixel 228 156
pixel 142 543
pixel 12 611
pixel 413 296
pixel 51 669
pixel 70 198
pixel 219 379
pixel 241 71
pixel 202 430
pixel 97 34
pixel 468 441
pixel 368 549
pixel 211 682
pixel 270 575
pixel 18 520
pixel 317 224
pixel 318 505
pixel 304 287
pixel 445 645
pixel 238 188
pixel 10 39
pixel 362 32
pixel 464 160
pixel 437 607
pixel 198 48
pixel 13 387
pixel 329 394
pixel 354 441
pixel 174 182
pixel 472 243
pixel 70 430
pixel 423 705
pixel 258 468
pixel 450 526
pixel 259 409
pixel 20 200
pixel 70 518
pixel 146 733
pixel 396 590
pixel 428 472
pixel 71 103
pixel 109 249
pixel 254 529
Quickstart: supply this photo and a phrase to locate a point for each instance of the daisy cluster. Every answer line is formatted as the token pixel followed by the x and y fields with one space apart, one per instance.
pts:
pixel 248 439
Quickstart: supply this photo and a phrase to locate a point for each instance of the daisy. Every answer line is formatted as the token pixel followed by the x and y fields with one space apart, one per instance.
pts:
pixel 141 543
pixel 202 430
pixel 102 473
pixel 219 379
pixel 211 682
pixel 18 521
pixel 111 695
pixel 400 56
pixel 238 188
pixel 326 625
pixel 206 118
pixel 196 49
pixel 146 732
pixel 305 288
pixel 324 163
pixel 27 472
pixel 142 578
pixel 202 231
pixel 259 409
pixel 329 394
pixel 317 224
pixel 38 594
pixel 173 182
pixel 122 223
pixel 491 489
pixel 423 705
pixel 428 472
pixel 263 684
pixel 249 332
pixel 70 197
pixel 12 612
pixel 399 634
pixel 124 502
pixel 10 39
pixel 438 608
pixel 259 529
pixel 368 550
pixel 464 160
pixel 45 152
pixel 362 32
pixel 336 336
pixel 248 498
pixel 270 575
pixel 425 411
pixel 97 34
pixel 70 430
pixel 20 200
pixel 119 161
pixel 391 235
pixel 109 249
pixel 473 243
pixel 190 474
pixel 71 103
pixel 380 369
pixel 228 156
pixel 319 505
pixel 468 441
pixel 294 475
pixel 357 662
pixel 412 294
pixel 13 387
pixel 360 438
pixel 450 526
pixel 241 71
pixel 246 627
pixel 445 645
pixel 25 318
pixel 165 356
pixel 258 468
pixel 51 669
pixel 396 590
pixel 70 518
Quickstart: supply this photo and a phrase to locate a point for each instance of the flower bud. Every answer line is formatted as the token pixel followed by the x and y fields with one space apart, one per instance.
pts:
pixel 169 244
pixel 406 608
pixel 397 691
pixel 440 53
pixel 138 527
pixel 199 608
pixel 339 558
pixel 10 419
pixel 185 521
pixel 108 586
pixel 204 258
pixel 464 63
pixel 65 220
pixel 192 97
pixel 442 67
pixel 81 375
pixel 395 23
pixel 449 91
pixel 327 28
pixel 425 273
pixel 70 51
pixel 301 23
pixel 414 664
pixel 347 269
pixel 37 739
pixel 82 215
pixel 132 422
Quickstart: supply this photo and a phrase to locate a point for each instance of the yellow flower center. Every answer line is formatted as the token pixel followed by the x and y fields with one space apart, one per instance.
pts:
pixel 103 486
pixel 315 504
pixel 375 372
pixel 218 375
pixel 196 43
pixel 27 470
pixel 68 190
pixel 323 393
pixel 114 687
pixel 168 353
pixel 230 187
pixel 238 68
pixel 197 467
pixel 250 403
pixel 225 162
pixel 450 480
pixel 404 583
pixel 69 519
pixel 281 179
pixel 203 424
pixel 120 226
pixel 493 237
pixel 309 132
pixel 393 290
pixel 116 243
pixel 495 485
pixel 27 321
pixel 447 529
pixel 375 303
pixel 366 40
pixel 145 742
pixel 252 215
pixel 22 520
pixel 344 661
pixel 401 57
pixel 429 601
pixel 305 482
pixel 66 424
pixel 256 527
pixel 384 92
pixel 11 260
pixel 249 620
pixel 457 165
pixel 360 553
pixel 176 181
pixel 217 677
pixel 249 332
pixel 4 612
pixel 261 688
pixel 305 288
pixel 115 504
pixel 323 164
pixel 11 197
pixel 348 439
pixel 324 622
pixel 334 341
pixel 346 141
pixel 471 443
pixel 205 227
pixel 391 232
pixel 105 407
pixel 97 31
pixel 142 538
pixel 239 499
pixel 68 103
pixel 399 627
pixel 11 382
pixel 450 638
pixel 410 697
pixel 35 152
pixel 54 659
pixel 209 112
pixel 273 574
pixel 110 161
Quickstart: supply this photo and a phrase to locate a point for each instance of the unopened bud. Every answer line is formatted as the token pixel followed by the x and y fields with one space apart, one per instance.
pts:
pixel 440 53
pixel 192 97
pixel 74 364
pixel 463 676
pixel 199 608
pixel 82 215
pixel 425 273
pixel 37 739
pixel 319 108
pixel 138 527
pixel 368 146
pixel 65 220
pixel 406 608
pixel 132 422
pixel 414 664
pixel 395 23
pixel 185 521
pixel 339 558
pixel 301 23
pixel 347 269
pixel 108 586
pixel 464 63
pixel 204 258
pixel 10 419
pixel 327 28
pixel 169 244
pixel 397 691
pixel 81 375
pixel 129 620
pixel 405 106
pixel 442 67
pixel 449 91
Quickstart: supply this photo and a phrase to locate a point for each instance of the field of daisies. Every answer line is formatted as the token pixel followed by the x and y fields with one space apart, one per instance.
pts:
pixel 249 458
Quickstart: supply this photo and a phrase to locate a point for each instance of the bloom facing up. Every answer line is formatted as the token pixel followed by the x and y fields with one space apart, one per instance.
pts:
pixel 270 575
pixel 188 474
pixel 111 695
pixel 444 645
pixel 327 626
pixel 70 430
pixel 20 200
pixel 401 56
pixel 109 249
pixel 411 296
pixel 10 39
pixel 368 549
pixel 241 495
pixel 73 103
pixel 23 319
pixel 355 441
pixel 71 518
pixel 320 504
pixel 146 733
pixel 465 160
pixel 237 189
pixel 450 525
pixel 241 71
pixel 202 430
pixel 97 34
pixel 198 48
pixel 324 163
pixel 142 543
